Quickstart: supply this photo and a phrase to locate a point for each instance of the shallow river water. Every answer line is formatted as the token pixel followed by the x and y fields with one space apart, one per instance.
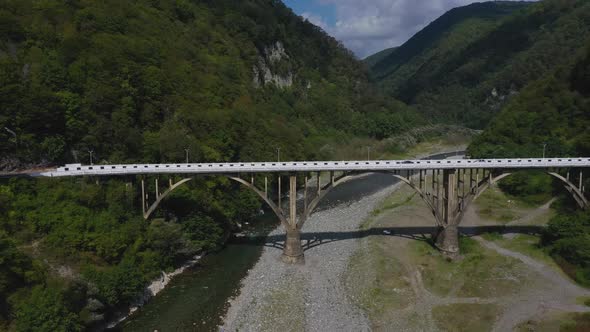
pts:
pixel 197 299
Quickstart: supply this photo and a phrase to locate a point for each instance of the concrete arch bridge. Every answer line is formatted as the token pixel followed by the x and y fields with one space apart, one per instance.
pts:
pixel 447 187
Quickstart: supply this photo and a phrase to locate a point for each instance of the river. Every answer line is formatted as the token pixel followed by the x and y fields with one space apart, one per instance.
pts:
pixel 197 299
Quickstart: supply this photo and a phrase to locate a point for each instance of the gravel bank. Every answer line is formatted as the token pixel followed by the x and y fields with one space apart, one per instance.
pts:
pixel 321 301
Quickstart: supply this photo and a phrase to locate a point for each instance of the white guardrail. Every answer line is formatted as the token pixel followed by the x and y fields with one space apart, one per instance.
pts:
pixel 312 166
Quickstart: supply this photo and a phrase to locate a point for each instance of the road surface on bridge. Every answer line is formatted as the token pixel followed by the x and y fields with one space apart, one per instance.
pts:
pixel 309 166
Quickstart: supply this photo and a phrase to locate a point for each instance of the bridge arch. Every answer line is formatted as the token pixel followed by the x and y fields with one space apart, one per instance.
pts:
pixel 293 249
pixel 275 208
pixel 424 197
pixel 160 197
pixel 308 207
pixel 576 193
pixel 447 209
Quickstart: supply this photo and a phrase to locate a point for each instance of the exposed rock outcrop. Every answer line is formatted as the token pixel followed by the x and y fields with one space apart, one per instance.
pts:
pixel 273 67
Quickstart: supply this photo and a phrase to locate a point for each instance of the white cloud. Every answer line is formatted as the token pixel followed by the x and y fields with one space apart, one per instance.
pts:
pixel 368 26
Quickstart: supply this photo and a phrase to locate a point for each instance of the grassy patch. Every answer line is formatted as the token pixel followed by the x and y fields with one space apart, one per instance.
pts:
pixel 569 322
pixel 492 236
pixel 402 197
pixel 576 323
pixel 378 282
pixel 356 148
pixel 493 204
pixel 527 245
pixel 393 202
pixel 285 299
pixel 466 317
pixel 584 300
pixel 481 272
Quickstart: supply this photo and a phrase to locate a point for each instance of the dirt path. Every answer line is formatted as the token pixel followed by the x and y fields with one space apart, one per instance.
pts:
pixel 532 215
pixel 556 291
pixel 559 292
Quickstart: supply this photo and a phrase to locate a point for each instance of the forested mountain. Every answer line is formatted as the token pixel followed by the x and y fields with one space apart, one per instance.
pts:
pixel 143 80
pixel 140 80
pixel 464 66
pixel 457 27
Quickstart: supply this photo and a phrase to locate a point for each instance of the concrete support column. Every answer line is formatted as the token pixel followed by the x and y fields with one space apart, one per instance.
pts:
pixel 421 180
pixel 293 201
pixel 438 200
pixel 450 188
pixel 157 189
pixel 293 251
pixel 142 196
pixel 318 183
pixel 447 239
pixel 279 194
pixel 305 194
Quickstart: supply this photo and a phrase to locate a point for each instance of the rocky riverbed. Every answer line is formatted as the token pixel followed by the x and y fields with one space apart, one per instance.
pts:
pixel 310 297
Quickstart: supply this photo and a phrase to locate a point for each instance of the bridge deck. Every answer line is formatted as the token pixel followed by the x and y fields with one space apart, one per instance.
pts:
pixel 311 166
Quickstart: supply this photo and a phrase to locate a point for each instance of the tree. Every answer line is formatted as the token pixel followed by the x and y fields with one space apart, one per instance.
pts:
pixel 45 310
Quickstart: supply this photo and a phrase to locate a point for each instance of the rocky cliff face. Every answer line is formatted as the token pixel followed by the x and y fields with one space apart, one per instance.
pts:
pixel 273 67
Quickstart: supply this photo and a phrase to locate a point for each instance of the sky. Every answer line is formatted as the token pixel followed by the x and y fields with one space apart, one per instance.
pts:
pixel 369 26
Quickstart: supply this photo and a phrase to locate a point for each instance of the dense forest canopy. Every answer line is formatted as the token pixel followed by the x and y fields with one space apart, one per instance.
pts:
pixel 141 80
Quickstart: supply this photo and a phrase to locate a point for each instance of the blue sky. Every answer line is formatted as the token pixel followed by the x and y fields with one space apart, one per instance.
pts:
pixel 326 11
pixel 369 26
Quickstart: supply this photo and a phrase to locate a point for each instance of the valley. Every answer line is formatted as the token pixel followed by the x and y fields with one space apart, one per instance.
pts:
pixel 148 85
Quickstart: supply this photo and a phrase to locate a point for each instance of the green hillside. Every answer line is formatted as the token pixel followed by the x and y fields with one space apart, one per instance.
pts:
pixel 371 60
pixel 465 65
pixel 552 110
pixel 443 37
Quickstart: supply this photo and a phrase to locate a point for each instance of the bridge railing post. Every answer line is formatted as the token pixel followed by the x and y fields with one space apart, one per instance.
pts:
pixel 143 196
pixel 279 193
pixel 157 189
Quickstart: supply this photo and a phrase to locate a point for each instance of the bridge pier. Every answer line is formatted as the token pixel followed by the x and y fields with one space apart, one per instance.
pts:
pixel 447 239
pixel 293 250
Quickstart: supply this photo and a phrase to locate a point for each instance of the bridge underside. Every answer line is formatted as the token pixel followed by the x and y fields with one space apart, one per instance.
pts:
pixel 446 192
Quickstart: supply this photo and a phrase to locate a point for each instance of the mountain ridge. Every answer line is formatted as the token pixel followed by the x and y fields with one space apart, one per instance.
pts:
pixel 473 71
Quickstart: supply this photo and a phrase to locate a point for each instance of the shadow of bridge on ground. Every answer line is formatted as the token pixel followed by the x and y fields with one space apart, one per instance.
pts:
pixel 314 239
